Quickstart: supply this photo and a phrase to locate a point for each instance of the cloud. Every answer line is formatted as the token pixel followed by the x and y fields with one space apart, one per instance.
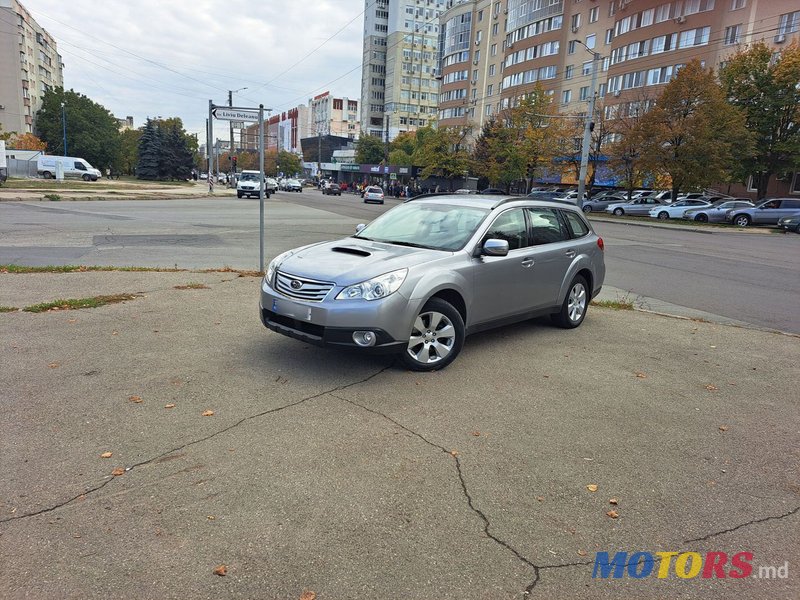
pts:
pixel 150 58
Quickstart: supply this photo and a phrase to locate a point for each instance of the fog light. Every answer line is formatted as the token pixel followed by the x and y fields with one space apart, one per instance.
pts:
pixel 364 338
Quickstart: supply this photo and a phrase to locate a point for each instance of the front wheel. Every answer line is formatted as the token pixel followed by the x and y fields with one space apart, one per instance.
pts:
pixel 437 337
pixel 619 212
pixel 239 194
pixel 663 216
pixel 47 175
pixel 573 309
pixel 86 177
pixel 741 220
pixel 702 218
pixel 587 209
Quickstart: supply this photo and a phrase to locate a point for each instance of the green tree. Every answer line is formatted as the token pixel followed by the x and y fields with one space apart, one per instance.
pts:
pixel 693 134
pixel 370 150
pixel 149 152
pixel 290 164
pixel 442 151
pixel 624 154
pixel 177 159
pixel 766 88
pixel 495 156
pixel 92 131
pixel 402 148
pixel 128 155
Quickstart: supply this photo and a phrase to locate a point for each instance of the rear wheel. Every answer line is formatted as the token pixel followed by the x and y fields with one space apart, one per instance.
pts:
pixel 663 215
pixel 47 175
pixel 619 212
pixel 587 209
pixel 741 220
pixel 573 309
pixel 702 217
pixel 437 336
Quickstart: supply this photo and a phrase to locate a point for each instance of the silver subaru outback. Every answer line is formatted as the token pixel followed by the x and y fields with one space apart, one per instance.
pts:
pixel 424 275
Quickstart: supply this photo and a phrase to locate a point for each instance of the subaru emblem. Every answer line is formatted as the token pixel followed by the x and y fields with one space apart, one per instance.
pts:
pixel 296 285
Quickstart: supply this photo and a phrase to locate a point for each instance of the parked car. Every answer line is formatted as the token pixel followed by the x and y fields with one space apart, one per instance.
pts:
pixel 72 166
pixel 717 212
pixel 373 194
pixel 676 209
pixel 331 189
pixel 248 185
pixel 571 196
pixel 766 213
pixel 544 195
pixel 424 275
pixel 494 192
pixel 637 206
pixel 602 201
pixel 292 185
pixel 790 223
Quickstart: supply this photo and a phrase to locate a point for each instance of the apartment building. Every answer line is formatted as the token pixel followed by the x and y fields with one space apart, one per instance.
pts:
pixel 282 131
pixel 29 66
pixel 333 116
pixel 399 85
pixel 636 46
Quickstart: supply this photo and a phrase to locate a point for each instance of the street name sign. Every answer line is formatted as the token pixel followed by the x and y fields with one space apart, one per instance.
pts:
pixel 235 114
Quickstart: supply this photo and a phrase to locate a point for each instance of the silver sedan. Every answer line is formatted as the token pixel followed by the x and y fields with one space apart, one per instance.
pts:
pixel 638 206
pixel 717 212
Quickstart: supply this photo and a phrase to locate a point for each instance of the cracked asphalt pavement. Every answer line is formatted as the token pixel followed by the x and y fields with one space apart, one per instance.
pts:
pixel 348 476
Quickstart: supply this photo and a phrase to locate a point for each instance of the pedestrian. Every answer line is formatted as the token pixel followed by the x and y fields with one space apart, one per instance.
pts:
pixel 108 172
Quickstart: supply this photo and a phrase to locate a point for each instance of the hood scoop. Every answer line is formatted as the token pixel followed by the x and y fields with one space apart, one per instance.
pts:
pixel 351 250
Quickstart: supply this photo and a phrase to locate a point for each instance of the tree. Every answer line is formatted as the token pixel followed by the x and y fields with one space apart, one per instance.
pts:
pixel 624 153
pixel 442 152
pixel 495 155
pixel 370 150
pixel 402 148
pixel 149 152
pixel 692 131
pixel 92 131
pixel 766 89
pixel 26 141
pixel 289 163
pixel 128 155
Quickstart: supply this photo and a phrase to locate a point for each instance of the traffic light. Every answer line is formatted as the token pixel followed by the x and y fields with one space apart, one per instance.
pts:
pixel 591 128
pixel 233 162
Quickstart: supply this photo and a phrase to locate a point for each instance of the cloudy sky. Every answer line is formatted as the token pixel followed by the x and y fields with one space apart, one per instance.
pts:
pixel 149 58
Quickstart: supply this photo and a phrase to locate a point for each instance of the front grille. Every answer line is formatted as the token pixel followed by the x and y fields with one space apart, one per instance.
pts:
pixel 309 290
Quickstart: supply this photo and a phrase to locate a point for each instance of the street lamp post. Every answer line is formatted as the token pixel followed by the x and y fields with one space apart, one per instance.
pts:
pixel 588 123
pixel 64 125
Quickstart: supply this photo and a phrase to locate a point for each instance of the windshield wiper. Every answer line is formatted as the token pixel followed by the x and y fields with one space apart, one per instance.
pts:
pixel 361 237
pixel 408 244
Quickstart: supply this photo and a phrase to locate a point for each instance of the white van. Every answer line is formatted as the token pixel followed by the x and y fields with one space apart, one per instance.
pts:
pixel 73 167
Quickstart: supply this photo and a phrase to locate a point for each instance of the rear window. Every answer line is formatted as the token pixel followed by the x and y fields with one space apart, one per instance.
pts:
pixel 576 225
pixel 375 190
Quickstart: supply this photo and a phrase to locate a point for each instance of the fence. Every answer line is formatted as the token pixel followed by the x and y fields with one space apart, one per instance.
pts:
pixel 21 168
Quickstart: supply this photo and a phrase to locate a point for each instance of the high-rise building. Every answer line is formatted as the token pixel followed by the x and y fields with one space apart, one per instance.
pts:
pixel 333 116
pixel 29 66
pixel 399 85
pixel 495 51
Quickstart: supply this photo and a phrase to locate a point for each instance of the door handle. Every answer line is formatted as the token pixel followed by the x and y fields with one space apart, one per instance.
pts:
pixel 570 253
pixel 528 262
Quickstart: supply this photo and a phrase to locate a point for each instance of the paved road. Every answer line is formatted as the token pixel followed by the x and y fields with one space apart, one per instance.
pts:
pixel 747 277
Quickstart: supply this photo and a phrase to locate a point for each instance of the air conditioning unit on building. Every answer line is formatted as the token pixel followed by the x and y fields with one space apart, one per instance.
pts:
pixel 477 42
pixel 575 29
pixel 680 20
pixel 779 39
pixel 475 62
pixel 474 82
pixel 511 45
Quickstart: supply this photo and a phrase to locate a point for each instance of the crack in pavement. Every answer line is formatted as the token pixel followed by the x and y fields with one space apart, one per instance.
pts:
pixel 195 442
pixel 464 489
pixel 747 524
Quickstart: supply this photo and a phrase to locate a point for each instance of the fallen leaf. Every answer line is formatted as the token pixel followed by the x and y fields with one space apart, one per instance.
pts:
pixel 613 514
pixel 118 471
pixel 453 452
pixel 582 553
pixel 210 517
pixel 208 413
pixel 640 375
pixel 592 487
pixel 114 333
pixel 723 428
pixel 135 399
pixel 72 320
pixel 540 498
pixel 54 365
pixel 613 501
pixel 308 596
pixel 476 433
pixel 169 406
pixel 712 388
pixel 221 570
pixel 545 376
pixel 106 455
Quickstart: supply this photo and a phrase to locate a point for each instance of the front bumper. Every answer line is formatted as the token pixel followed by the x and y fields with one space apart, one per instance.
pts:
pixel 331 323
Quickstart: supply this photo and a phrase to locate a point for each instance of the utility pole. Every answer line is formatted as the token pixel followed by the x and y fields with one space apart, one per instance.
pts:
pixel 588 124
pixel 209 135
pixel 386 153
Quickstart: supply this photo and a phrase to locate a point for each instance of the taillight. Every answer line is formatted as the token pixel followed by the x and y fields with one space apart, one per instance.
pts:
pixel 600 243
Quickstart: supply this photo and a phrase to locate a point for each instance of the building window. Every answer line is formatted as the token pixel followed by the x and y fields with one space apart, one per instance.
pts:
pixel 568 71
pixel 789 23
pixel 609 36
pixel 591 41
pixel 732 34
pixel 491 70
pixel 480 15
pixel 587 68
pixel 584 93
pixel 494 50
pixel 490 89
pixel 695 37
pixel 737 4
pixel 566 96
pixel 576 21
pixel 571 47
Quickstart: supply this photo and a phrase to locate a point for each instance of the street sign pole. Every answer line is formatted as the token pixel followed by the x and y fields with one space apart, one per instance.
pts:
pixel 209 151
pixel 261 187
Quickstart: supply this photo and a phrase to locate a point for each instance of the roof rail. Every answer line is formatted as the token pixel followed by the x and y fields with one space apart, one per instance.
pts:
pixel 427 195
pixel 516 198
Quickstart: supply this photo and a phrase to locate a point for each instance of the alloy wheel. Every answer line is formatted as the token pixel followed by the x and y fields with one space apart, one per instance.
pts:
pixel 576 305
pixel 432 338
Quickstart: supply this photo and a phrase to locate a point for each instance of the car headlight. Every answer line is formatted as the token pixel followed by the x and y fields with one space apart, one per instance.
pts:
pixel 273 265
pixel 375 288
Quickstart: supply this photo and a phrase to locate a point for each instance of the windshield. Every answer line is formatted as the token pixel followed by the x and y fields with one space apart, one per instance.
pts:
pixel 248 177
pixel 426 225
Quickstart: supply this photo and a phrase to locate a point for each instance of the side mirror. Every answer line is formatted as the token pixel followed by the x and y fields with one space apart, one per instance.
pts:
pixel 359 227
pixel 493 247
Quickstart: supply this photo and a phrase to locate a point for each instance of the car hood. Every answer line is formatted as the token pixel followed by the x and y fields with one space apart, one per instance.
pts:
pixel 351 260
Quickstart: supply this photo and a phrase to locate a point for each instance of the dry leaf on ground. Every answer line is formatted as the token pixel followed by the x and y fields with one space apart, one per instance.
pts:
pixel 208 413
pixel 106 455
pixel 592 487
pixel 476 433
pixel 613 501
pixel 221 570
pixel 169 406
pixel 613 514
pixel 453 452
pixel 723 428
pixel 118 471
pixel 640 375
pixel 135 399
pixel 711 388
pixel 308 596
pixel 582 553
pixel 54 365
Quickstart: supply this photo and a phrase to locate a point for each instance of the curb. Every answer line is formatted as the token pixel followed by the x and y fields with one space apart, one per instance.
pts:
pixel 710 231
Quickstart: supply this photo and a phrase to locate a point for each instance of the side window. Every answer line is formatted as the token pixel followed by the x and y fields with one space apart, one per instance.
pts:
pixel 773 204
pixel 575 223
pixel 791 204
pixel 546 227
pixel 509 226
pixel 80 166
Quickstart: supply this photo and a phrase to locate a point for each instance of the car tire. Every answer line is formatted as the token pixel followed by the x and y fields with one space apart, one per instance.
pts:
pixel 702 218
pixel 619 212
pixel 797 229
pixel 239 194
pixel 47 175
pixel 663 216
pixel 587 209
pixel 86 177
pixel 741 220
pixel 573 309
pixel 424 351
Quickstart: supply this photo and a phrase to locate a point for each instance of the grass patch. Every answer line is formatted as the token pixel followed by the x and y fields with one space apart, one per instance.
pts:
pixel 52 197
pixel 192 286
pixel 81 269
pixel 128 183
pixel 5 309
pixel 78 303
pixel 621 304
